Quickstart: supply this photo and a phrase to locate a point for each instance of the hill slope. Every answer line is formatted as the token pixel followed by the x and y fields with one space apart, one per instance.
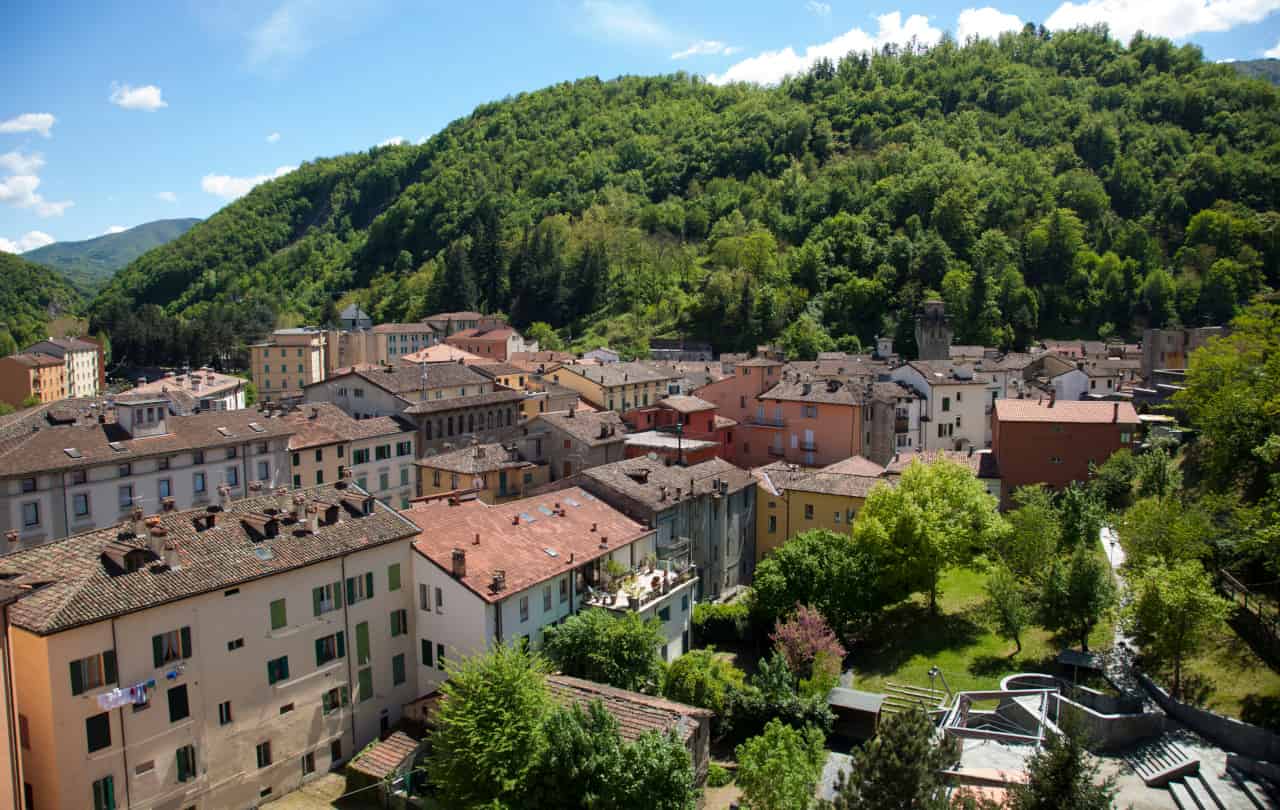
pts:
pixel 30 296
pixel 1063 185
pixel 1266 69
pixel 89 264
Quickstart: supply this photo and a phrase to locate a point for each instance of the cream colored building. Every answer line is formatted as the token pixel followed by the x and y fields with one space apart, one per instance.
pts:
pixel 81 359
pixel 616 386
pixel 211 659
pixel 377 452
pixel 291 360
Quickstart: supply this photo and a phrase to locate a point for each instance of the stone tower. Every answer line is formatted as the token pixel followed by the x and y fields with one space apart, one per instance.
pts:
pixel 933 332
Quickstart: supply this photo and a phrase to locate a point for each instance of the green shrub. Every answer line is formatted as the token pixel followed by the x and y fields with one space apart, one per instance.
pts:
pixel 718 776
pixel 716 622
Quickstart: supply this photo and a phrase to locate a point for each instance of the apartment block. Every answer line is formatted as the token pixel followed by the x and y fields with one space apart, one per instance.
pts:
pixel 682 429
pixel 288 362
pixel 83 361
pixel 493 472
pixel 791 499
pixel 213 658
pixel 502 574
pixel 571 441
pixel 616 386
pixel 493 343
pixel 395 340
pixel 191 391
pixel 29 374
pixel 735 396
pixel 377 453
pixel 1172 348
pixel 61 479
pixel 956 411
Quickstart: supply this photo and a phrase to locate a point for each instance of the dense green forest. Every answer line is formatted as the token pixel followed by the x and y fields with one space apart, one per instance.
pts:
pixel 31 295
pixel 88 264
pixel 1044 185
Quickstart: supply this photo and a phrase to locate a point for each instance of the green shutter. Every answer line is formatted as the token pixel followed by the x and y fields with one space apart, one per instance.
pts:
pixel 186 642
pixel 397 669
pixel 279 614
pixel 109 666
pixel 77 677
pixel 345 694
pixel 342 644
pixel 365 678
pixel 351 590
pixel 393 577
pixel 284 668
pixel 317 594
pixel 337 594
pixel 368 585
pixel 319 652
pixel 426 654
pixel 362 643
pixel 157 650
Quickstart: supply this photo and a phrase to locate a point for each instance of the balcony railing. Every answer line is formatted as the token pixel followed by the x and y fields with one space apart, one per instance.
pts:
pixel 776 452
pixel 642 587
pixel 767 421
pixel 808 445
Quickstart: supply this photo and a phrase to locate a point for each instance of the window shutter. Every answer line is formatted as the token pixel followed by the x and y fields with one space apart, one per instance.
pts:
pixel 426 653
pixel 186 642
pixel 319 652
pixel 337 594
pixel 109 666
pixel 279 616
pixel 284 668
pixel 77 678
pixel 317 594
pixel 342 644
pixel 351 590
pixel 345 693
pixel 368 585
pixel 393 577
pixel 157 651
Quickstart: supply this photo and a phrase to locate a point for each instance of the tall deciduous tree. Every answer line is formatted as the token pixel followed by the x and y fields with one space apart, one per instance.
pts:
pixel 594 644
pixel 779 769
pixel 1035 531
pixel 934 518
pixel 823 569
pixel 1175 612
pixel 1008 605
pixel 1164 530
pixel 1077 594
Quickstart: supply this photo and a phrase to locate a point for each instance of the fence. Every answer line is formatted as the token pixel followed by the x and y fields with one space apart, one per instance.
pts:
pixel 1259 614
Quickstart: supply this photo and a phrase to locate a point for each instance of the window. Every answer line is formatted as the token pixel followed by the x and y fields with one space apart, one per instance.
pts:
pixel 174 645
pixel 360 456
pixel 264 471
pixel 397 670
pixel 104 794
pixel 92 672
pixel 364 684
pixel 524 608
pixel 359 588
pixel 426 653
pixel 264 754
pixel 279 614
pixel 399 622
pixel 233 476
pixel 28 485
pixel 335 752
pixel 564 590
pixel 334 699
pixel 30 514
pixel 235 644
pixel 810 411
pixel 440 656
pixel 297 482
pixel 144 767
pixel 319 476
pixel 424 597
pixel 329 648
pixel 665 614
pixel 197 483
pixel 382 452
pixel 836 518
pixel 286 708
pixel 946 403
pixel 808 511
pixel 162 464
pixel 773 524
pixel 97 730
pixel 124 496
pixel 231 452
pixel 404 448
pixel 124 470
pixel 277 670
pixel 197 457
pixel 439 600
pixel 684 603
pixel 179 707
pixel 1124 437
pixel 224 713
pixel 1055 459
pixel 319 454
pixel 404 476
pixel 384 481
pixel 308 763
pixel 165 487
pixel 326 598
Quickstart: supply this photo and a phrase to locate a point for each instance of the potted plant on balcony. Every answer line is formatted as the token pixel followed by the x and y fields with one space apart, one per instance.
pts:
pixel 635 592
pixel 614 572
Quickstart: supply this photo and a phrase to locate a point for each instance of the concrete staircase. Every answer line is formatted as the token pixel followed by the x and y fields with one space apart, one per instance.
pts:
pixel 1262 794
pixel 902 697
pixel 1192 792
pixel 1161 761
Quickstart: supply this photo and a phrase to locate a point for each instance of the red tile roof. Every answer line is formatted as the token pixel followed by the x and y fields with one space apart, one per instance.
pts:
pixel 636 713
pixel 519 548
pixel 384 757
pixel 1078 412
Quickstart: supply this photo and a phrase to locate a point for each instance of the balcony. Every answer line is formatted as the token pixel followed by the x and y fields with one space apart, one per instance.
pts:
pixel 809 446
pixel 638 589
pixel 767 421
pixel 776 452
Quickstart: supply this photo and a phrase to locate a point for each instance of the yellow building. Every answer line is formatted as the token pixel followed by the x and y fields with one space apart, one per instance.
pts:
pixel 497 473
pixel 617 386
pixel 793 499
pixel 32 374
pixel 291 360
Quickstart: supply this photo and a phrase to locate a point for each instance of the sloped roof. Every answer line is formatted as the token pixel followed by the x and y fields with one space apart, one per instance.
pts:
pixel 630 373
pixel 405 377
pixel 686 404
pixel 585 425
pixel 827 391
pixel 324 423
pixel 643 480
pixel 384 757
pixel 476 459
pixel 428 406
pixel 1060 411
pixel 636 713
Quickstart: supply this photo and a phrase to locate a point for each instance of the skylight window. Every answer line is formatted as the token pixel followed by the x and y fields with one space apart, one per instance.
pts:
pixel 528 518
pixel 73 452
pixel 572 502
pixel 117 447
pixel 545 510
pixel 551 552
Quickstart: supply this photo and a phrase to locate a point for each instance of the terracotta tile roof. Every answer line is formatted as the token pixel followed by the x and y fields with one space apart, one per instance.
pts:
pixel 202 382
pixel 440 353
pixel 891 392
pixel 829 391
pixel 484 334
pixel 1077 412
pixel 72 585
pixel 612 374
pixel 323 423
pixel 35 359
pixel 476 459
pixel 686 404
pixel 472 401
pixel 852 478
pixel 405 377
pixel 401 328
pixel 758 361
pixel 492 370
pixel 643 481
pixel 981 462
pixel 384 757
pixel 855 465
pixel 1013 361
pixel 517 537
pixel 636 713
pixel 585 426
pixel 946 373
pixel 45 450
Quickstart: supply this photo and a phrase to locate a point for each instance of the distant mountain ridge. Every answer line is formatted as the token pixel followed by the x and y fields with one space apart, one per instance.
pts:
pixel 90 263
pixel 1267 69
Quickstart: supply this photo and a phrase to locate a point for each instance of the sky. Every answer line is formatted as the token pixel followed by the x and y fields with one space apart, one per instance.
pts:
pixel 115 114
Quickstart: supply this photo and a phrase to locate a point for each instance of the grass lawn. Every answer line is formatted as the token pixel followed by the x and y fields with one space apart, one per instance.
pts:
pixel 906 641
pixel 1232 678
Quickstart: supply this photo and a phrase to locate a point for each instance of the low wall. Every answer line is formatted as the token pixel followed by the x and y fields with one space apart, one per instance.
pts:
pixel 1109 732
pixel 1227 732
pixel 1097 701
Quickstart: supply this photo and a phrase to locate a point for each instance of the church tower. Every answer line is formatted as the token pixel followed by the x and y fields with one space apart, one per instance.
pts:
pixel 933 332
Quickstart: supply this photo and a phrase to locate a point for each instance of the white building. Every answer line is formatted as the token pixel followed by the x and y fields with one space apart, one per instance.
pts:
pixel 956 407
pixel 82 359
pixel 57 480
pixel 192 391
pixel 501 574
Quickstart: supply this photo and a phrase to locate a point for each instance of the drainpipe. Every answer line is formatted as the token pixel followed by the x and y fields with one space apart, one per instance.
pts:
pixel 351 651
pixel 11 707
pixel 124 743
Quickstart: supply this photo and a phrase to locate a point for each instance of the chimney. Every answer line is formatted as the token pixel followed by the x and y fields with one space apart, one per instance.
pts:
pixel 282 500
pixel 11 536
pixel 678 491
pixel 479 451
pixel 515 520
pixel 459 563
pixel 806 388
pixel 171 560
pixel 662 493
pixel 1053 396
pixel 156 539
pixel 313 518
pixel 168 504
pixel 499 581
pixel 1115 412
pixel 346 479
pixel 476 541
pixel 138 526
pixel 299 505
pixel 594 527
pixel 225 492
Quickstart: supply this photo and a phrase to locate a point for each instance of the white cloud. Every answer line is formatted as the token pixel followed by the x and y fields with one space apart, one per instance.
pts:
pixel 28 241
pixel 395 140
pixel 229 188
pixel 146 98
pixel 166 196
pixel 294 27
pixel 818 8
pixel 114 229
pixel 1272 53
pixel 273 137
pixel 985 23
pixel 1175 19
pixel 29 122
pixel 706 47
pixel 19 190
pixel 772 66
pixel 18 163
pixel 628 21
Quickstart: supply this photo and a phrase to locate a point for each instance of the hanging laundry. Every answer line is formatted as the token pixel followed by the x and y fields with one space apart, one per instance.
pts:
pixel 113 699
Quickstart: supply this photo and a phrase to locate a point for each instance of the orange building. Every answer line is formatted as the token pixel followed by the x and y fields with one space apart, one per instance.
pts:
pixel 706 433
pixel 493 343
pixel 32 374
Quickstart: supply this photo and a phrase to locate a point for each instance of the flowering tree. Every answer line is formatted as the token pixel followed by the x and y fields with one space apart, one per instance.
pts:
pixel 808 643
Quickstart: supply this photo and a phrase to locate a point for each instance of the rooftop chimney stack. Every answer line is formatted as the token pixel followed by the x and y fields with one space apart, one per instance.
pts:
pixel 171 560
pixel 11 536
pixel 138 526
pixel 299 505
pixel 459 564
pixel 1115 412
pixel 313 518
pixel 225 491
pixel 156 539
pixel 282 500
pixel 1053 396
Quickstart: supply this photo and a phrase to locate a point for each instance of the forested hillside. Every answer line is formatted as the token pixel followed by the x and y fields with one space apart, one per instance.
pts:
pixel 88 264
pixel 30 296
pixel 1043 185
pixel 1266 69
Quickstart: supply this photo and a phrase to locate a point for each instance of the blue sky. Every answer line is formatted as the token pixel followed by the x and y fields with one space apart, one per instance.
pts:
pixel 116 114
